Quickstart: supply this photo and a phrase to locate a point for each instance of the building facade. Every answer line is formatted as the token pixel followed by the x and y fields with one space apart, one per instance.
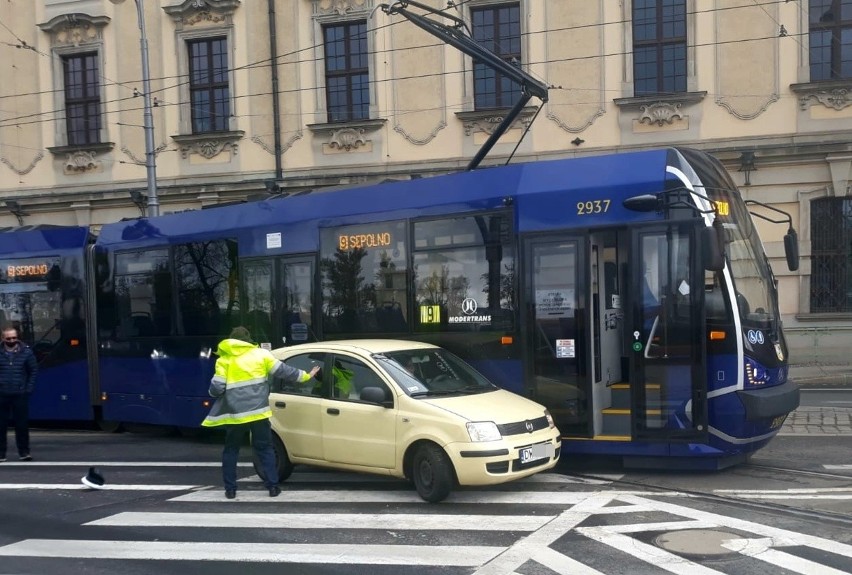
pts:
pixel 252 97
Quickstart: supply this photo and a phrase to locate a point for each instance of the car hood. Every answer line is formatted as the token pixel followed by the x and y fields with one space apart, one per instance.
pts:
pixel 499 406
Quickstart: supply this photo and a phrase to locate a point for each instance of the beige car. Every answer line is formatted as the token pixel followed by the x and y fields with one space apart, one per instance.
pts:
pixel 410 410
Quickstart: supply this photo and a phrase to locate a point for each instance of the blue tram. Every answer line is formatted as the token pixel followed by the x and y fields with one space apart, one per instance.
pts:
pixel 629 293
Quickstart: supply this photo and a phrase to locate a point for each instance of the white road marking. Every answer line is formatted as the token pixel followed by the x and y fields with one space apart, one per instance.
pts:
pixel 838 467
pixel 762 549
pixel 407 496
pixel 107 487
pixel 338 554
pixel 331 476
pixel 337 521
pixel 647 553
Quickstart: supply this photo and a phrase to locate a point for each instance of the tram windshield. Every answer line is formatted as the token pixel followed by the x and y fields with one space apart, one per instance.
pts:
pixel 751 275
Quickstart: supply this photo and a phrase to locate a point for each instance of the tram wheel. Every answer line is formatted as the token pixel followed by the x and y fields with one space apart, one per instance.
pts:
pixel 109 426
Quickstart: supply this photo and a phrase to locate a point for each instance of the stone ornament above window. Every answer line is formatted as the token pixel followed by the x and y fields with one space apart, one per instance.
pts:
pixel 341 7
pixel 488 120
pixel 659 110
pixel 209 145
pixel 660 113
pixel 347 136
pixel 82 159
pixel 835 94
pixel 210 12
pixel 75 29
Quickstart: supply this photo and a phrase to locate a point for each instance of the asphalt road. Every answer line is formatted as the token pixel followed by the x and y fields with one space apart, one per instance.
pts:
pixel 788 510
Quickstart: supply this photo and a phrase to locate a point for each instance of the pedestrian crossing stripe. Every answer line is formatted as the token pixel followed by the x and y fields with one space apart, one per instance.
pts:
pixel 338 554
pixel 754 540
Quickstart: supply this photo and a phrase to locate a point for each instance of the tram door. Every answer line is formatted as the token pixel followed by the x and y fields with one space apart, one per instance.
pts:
pixel 558 348
pixel 668 378
pixel 277 295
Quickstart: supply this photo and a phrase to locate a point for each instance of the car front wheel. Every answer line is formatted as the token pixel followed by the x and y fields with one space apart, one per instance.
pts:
pixel 432 473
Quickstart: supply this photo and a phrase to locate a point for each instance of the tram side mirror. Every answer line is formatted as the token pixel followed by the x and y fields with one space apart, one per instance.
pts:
pixel 711 249
pixel 791 249
pixel 644 203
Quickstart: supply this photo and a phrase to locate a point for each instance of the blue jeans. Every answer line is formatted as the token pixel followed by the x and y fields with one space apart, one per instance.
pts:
pixel 19 405
pixel 261 442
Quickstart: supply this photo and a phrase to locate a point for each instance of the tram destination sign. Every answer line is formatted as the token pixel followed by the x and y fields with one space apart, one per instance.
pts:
pixel 28 270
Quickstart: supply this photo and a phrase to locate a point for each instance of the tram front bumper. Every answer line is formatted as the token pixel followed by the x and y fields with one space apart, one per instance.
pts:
pixel 770 401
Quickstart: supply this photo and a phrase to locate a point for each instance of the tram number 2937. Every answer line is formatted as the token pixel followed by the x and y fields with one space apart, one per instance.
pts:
pixel 536 452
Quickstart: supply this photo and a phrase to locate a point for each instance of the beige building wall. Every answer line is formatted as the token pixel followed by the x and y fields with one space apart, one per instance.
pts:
pixel 747 90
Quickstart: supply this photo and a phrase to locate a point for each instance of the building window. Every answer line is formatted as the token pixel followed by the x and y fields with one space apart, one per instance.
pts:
pixel 830 23
pixel 82 98
pixel 347 73
pixel 209 90
pixel 659 46
pixel 831 255
pixel 497 28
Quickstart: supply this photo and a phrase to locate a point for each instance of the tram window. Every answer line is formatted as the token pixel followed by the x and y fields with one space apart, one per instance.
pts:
pixel 143 294
pixel 464 274
pixel 365 278
pixel 206 275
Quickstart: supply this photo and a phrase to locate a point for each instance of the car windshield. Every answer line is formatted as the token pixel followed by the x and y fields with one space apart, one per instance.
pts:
pixel 432 372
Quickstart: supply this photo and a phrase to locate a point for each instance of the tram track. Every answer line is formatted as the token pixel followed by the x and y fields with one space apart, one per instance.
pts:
pixel 839 519
pixel 809 473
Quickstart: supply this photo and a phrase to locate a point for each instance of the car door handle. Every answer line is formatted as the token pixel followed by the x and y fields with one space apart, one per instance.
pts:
pixel 280 404
pixel 332 411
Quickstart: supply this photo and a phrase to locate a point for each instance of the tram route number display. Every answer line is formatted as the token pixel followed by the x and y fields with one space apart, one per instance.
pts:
pixel 364 241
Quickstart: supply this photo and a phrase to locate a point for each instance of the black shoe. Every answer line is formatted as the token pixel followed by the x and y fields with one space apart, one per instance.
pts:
pixel 230 493
pixel 26 457
pixel 274 491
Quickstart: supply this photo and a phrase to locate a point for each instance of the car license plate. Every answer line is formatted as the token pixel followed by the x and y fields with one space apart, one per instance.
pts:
pixel 536 452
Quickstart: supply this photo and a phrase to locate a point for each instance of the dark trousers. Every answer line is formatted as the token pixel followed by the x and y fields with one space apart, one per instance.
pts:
pixel 261 442
pixel 19 406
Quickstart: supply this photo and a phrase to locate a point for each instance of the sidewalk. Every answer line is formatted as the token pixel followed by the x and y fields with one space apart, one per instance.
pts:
pixel 821 420
pixel 835 375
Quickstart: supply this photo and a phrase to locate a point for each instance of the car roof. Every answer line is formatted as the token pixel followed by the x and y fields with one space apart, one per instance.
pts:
pixel 365 346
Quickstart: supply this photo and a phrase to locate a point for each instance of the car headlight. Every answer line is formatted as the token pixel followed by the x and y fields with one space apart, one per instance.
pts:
pixel 549 417
pixel 483 431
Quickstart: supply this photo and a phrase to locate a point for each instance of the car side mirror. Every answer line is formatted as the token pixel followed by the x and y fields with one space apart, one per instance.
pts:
pixel 375 395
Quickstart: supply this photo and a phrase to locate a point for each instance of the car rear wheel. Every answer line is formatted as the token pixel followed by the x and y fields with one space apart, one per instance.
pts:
pixel 282 461
pixel 432 473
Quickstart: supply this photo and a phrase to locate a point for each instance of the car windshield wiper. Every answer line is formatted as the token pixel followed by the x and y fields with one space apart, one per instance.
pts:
pixel 431 393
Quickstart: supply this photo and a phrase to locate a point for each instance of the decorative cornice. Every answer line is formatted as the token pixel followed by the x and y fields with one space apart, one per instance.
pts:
pixel 80 159
pixel 208 145
pixel 659 109
pixel 75 29
pixel 347 136
pixel 341 7
pixel 835 94
pixel 23 171
pixel 192 12
pixel 488 120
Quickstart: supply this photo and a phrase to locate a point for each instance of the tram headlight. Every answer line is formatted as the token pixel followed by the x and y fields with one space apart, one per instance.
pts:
pixel 483 431
pixel 756 374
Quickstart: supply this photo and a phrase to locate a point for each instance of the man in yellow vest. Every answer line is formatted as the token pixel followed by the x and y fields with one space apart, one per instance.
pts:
pixel 241 388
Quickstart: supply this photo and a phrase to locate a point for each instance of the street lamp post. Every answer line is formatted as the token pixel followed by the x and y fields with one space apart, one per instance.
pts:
pixel 150 157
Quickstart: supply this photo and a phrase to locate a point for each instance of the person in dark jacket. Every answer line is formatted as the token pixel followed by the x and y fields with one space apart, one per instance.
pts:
pixel 240 385
pixel 18 369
